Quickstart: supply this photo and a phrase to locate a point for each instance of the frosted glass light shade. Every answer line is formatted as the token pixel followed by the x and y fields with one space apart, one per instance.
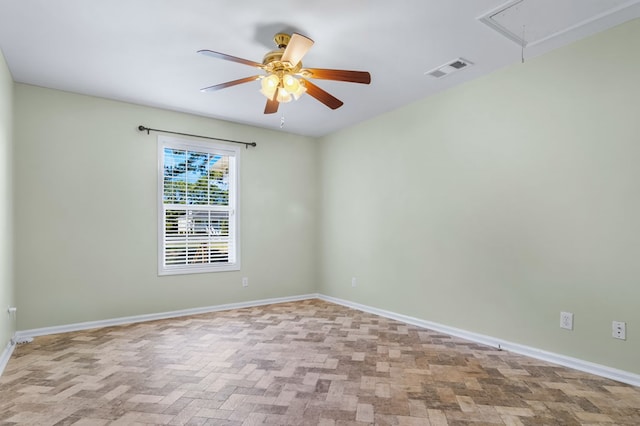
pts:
pixel 269 85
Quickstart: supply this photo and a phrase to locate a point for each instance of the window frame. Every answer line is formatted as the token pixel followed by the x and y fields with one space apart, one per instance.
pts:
pixel 234 204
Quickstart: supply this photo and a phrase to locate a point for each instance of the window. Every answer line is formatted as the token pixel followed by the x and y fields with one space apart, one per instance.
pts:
pixel 198 207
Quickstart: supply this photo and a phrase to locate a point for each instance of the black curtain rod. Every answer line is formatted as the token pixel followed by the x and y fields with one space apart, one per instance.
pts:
pixel 246 144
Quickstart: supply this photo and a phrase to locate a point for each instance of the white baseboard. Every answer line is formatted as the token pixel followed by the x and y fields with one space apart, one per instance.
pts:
pixel 162 315
pixel 6 355
pixel 566 361
pixel 575 363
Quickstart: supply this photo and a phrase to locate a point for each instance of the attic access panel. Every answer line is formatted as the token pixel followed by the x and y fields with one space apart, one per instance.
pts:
pixel 540 20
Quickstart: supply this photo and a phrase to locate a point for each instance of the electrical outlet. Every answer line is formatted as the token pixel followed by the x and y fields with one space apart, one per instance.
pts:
pixel 619 330
pixel 245 281
pixel 354 282
pixel 566 320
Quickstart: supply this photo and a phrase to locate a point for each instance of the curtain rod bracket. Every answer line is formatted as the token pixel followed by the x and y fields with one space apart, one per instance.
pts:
pixel 148 130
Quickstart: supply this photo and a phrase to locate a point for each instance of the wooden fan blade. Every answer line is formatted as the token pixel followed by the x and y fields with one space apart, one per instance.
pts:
pixel 362 77
pixel 324 97
pixel 272 104
pixel 226 57
pixel 298 46
pixel 230 83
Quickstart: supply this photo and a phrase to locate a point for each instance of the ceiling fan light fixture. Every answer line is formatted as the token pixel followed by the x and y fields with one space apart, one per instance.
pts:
pixel 293 86
pixel 290 83
pixel 283 96
pixel 301 91
pixel 288 87
pixel 269 85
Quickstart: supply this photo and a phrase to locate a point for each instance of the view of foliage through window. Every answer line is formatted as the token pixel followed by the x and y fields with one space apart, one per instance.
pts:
pixel 195 178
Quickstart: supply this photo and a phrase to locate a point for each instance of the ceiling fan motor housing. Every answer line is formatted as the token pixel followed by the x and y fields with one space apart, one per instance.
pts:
pixel 281 40
pixel 272 60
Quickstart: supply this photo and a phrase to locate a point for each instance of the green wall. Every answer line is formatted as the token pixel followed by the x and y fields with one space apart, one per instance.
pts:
pixel 7 322
pixel 493 206
pixel 86 212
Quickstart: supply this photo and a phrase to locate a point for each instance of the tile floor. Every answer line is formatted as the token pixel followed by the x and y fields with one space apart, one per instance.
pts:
pixel 299 363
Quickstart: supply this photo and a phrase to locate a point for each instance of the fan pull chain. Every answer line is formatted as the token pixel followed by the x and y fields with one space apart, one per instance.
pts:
pixel 282 121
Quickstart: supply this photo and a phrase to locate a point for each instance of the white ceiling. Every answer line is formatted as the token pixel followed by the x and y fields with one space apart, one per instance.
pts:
pixel 144 51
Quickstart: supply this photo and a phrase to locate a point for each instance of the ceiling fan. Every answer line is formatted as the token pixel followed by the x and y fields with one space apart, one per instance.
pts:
pixel 285 78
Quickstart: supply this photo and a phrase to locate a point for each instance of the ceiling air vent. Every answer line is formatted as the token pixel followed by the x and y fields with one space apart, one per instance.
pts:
pixel 449 68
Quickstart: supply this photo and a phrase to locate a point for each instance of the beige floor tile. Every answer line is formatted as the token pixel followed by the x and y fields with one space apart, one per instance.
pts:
pixel 299 363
